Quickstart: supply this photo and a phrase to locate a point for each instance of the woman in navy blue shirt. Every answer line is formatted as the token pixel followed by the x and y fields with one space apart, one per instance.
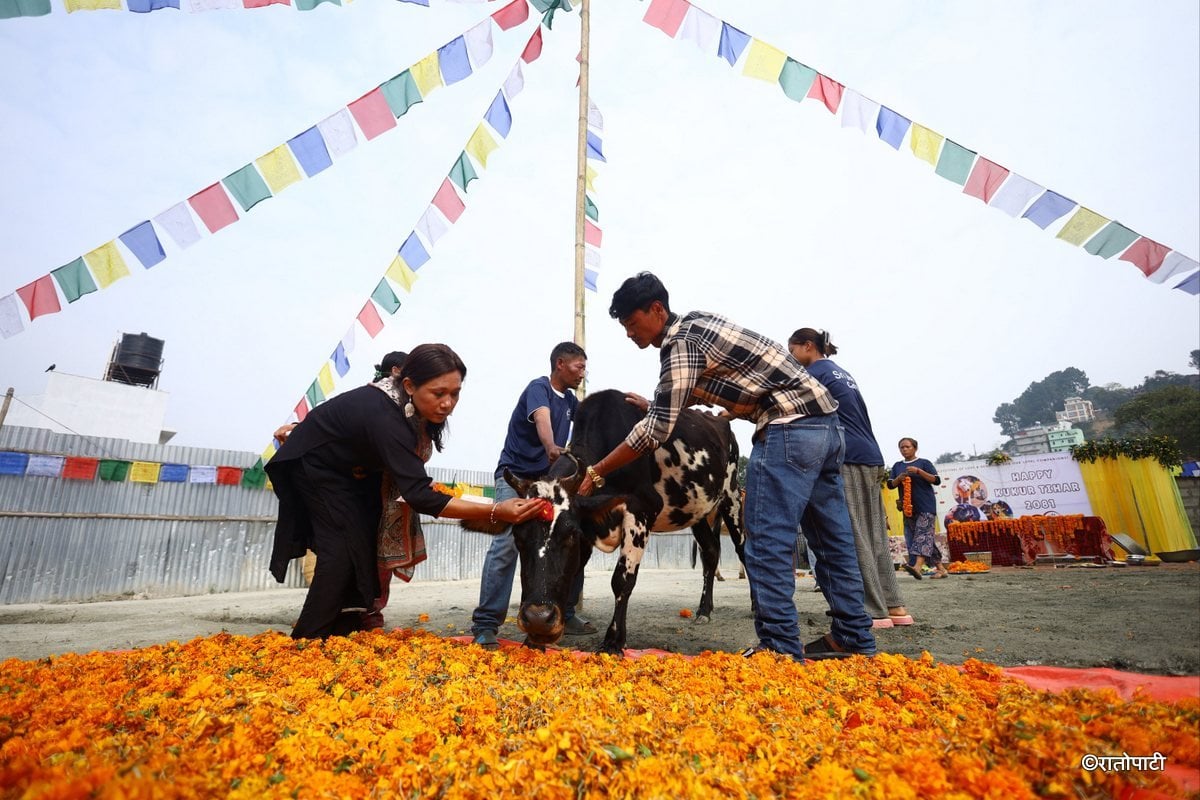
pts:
pixel 915 478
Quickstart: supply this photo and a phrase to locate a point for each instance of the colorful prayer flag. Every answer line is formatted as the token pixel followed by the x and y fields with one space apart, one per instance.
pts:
pixel 480 145
pixel 325 378
pixel 39 297
pixel 512 15
pixel 373 114
pixel 301 409
pixel 12 463
pixel 499 116
pixel 74 280
pixel 1014 194
pixel 701 29
pixel 24 8
pixel 589 279
pixel 533 48
pixel 432 226
pixel 178 222
pixel 213 207
pixel 232 476
pixel 986 178
pixel 479 43
pixel 348 339
pixel 666 15
pixel 314 395
pixel 515 81
pixel 340 362
pixel 91 5
pixel 1190 284
pixel 589 208
pixel 925 144
pixel 113 469
pixel 1174 264
pixel 1082 224
pixel 385 297
pixel 43 466
pixel 591 234
pixel 10 316
pixel 338 132
pixel 452 57
pixel 1047 208
pixel 764 62
pixel 954 164
pixel 143 242
pixel 309 149
pixel 448 201
pixel 369 319
pixel 1145 254
pixel 590 179
pixel 891 126
pixel 309 5
pixel 595 147
pixel 144 472
pixel 1113 239
pixel 463 172
pixel 427 74
pixel 401 93
pixel 796 79
pixel 255 477
pixel 828 91
pixel 399 272
pixel 202 474
pixel 859 112
pixel 106 264
pixel 80 468
pixel 733 42
pixel 247 187
pixel 278 168
pixel 173 473
pixel 146 6
pixel 413 252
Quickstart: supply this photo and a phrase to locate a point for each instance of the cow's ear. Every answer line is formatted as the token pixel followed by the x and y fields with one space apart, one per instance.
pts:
pixel 596 508
pixel 519 485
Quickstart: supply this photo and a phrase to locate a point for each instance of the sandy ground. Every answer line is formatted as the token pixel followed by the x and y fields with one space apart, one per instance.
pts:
pixel 1140 619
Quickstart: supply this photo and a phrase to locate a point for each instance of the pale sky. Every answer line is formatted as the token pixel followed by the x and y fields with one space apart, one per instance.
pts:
pixel 744 202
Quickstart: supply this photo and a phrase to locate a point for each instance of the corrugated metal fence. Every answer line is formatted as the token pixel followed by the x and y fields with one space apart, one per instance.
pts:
pixel 74 541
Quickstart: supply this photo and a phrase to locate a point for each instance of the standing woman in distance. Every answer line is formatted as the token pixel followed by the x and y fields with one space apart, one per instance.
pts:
pixel 328 475
pixel 862 471
pixel 915 478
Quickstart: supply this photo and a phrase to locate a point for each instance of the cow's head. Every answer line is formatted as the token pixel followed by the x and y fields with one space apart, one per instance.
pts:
pixel 552 552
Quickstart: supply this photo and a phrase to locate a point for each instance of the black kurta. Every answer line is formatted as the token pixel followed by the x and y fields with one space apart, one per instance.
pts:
pixel 327 477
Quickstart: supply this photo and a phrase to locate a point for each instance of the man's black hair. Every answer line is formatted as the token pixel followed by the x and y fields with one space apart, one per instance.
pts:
pixel 565 350
pixel 638 294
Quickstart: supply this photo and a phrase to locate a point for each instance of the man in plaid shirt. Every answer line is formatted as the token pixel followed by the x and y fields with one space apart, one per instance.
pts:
pixel 794 473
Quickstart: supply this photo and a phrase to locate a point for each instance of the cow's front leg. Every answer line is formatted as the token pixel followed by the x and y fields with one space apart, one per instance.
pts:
pixel 623 580
pixel 709 543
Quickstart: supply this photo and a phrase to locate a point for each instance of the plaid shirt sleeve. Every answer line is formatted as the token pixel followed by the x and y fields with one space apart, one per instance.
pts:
pixel 683 364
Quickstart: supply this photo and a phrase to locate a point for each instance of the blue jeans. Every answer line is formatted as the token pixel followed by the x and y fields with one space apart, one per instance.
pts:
pixel 499 570
pixel 794 479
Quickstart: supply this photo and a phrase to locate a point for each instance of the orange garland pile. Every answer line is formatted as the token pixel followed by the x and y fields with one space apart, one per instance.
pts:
pixel 967 566
pixel 1058 530
pixel 406 714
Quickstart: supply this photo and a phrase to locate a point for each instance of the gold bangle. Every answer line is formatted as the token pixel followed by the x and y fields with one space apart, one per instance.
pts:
pixel 597 478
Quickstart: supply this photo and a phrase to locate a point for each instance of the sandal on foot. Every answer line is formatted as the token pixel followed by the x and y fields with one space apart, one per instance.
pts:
pixel 882 622
pixel 824 649
pixel 911 570
pixel 901 619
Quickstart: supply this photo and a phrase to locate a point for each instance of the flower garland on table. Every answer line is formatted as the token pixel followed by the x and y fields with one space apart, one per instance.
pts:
pixel 1059 530
pixel 407 714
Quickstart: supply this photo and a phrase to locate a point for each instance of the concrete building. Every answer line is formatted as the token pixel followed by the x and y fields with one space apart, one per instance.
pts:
pixel 1063 437
pixel 1030 441
pixel 1076 409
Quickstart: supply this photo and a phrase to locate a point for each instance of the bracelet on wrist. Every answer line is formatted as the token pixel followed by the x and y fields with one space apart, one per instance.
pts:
pixel 597 478
pixel 492 517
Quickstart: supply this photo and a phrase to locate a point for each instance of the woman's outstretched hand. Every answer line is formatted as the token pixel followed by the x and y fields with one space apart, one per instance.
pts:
pixel 516 510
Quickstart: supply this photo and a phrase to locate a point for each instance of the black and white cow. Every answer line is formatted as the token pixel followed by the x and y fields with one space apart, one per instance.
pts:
pixel 690 481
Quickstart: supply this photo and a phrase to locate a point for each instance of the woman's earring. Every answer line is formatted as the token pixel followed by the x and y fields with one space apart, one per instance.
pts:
pixel 409 411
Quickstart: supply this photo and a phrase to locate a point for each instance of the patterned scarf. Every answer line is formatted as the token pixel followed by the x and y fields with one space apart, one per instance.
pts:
pixel 401 542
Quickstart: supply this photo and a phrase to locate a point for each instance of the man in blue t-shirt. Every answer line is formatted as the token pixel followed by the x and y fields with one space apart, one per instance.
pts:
pixel 538 432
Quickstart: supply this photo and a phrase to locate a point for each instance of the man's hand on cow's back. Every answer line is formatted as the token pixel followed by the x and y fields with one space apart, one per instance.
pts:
pixel 637 400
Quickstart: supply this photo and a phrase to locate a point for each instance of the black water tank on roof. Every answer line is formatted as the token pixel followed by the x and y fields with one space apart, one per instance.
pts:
pixel 140 352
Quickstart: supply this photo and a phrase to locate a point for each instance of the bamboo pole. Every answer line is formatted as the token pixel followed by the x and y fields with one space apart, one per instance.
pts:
pixel 581 174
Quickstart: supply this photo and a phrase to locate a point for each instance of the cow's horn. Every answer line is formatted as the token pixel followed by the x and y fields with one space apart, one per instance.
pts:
pixel 571 482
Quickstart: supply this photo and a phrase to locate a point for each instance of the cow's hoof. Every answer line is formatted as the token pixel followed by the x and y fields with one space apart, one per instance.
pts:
pixel 702 619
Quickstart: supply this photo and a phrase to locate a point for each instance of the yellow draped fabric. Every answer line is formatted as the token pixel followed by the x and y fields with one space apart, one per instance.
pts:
pixel 1140 499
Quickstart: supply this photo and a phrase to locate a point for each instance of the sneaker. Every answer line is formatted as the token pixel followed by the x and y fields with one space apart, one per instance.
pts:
pixel 578 626
pixel 487 640
pixel 824 649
